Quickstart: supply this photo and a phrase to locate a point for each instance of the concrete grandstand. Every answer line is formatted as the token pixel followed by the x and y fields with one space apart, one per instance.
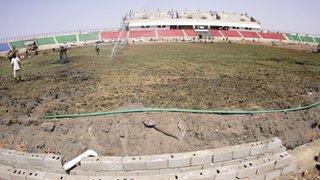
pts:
pixel 197 20
pixel 171 25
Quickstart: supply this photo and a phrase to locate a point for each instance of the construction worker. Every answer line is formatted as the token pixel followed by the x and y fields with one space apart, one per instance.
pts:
pixel 97 48
pixel 63 55
pixel 16 66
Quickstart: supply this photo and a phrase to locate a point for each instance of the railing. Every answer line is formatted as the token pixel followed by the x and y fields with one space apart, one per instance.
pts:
pixel 293 32
pixel 39 35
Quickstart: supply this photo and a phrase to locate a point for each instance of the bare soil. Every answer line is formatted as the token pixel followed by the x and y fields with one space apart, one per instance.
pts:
pixel 191 76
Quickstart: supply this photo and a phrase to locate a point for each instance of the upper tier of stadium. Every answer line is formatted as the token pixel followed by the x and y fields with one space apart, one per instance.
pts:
pixel 189 20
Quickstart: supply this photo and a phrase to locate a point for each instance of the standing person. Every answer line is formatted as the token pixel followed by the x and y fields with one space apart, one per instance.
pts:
pixel 63 55
pixel 97 48
pixel 16 66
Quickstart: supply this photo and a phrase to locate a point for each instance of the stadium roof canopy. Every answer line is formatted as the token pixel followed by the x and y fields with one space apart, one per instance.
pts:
pixel 210 19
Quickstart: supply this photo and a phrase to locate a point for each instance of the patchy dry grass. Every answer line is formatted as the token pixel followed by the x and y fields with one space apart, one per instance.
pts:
pixel 200 76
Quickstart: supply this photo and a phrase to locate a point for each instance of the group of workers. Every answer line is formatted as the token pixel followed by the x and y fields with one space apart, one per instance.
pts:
pixel 16 64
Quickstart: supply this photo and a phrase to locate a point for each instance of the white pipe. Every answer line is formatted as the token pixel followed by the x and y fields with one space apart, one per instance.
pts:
pixel 73 162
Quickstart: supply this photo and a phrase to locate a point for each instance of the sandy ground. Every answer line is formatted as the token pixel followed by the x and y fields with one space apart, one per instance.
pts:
pixel 305 157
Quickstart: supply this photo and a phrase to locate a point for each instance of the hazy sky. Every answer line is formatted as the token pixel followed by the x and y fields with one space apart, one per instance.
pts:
pixel 20 17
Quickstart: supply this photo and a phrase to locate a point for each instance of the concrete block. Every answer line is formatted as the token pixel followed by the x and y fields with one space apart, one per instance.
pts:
pixel 212 165
pixel 280 149
pixel 148 172
pixel 232 162
pixel 258 148
pixel 106 173
pixel 5 173
pixel 170 171
pixel 284 159
pixel 177 176
pixel 18 174
pixel 178 160
pixel 221 155
pixel 72 177
pixel 201 157
pixel 36 160
pixel 288 169
pixel 20 160
pixel 265 165
pixel 134 163
pixel 201 175
pixel 126 173
pixel 55 176
pixel 156 162
pixel 260 176
pixel 273 144
pixel 246 170
pixel 53 162
pixel 155 177
pixel 225 173
pixel 91 164
pixel 193 168
pixel 7 157
pixel 126 178
pixel 250 158
pixel 35 175
pixel 82 173
pixel 2 158
pixel 241 151
pixel 99 178
pixel 273 174
pixel 112 163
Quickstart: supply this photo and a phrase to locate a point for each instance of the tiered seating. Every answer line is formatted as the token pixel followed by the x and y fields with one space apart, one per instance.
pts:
pixel 142 33
pixel 170 33
pixel 232 34
pixel 45 41
pixel 190 32
pixel 316 39
pixel 112 35
pixel 94 36
pixel 258 160
pixel 306 39
pixel 249 34
pixel 17 44
pixel 66 39
pixel 293 37
pixel 4 47
pixel 273 36
pixel 215 33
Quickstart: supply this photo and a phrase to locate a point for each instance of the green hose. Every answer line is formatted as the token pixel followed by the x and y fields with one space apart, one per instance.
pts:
pixel 222 112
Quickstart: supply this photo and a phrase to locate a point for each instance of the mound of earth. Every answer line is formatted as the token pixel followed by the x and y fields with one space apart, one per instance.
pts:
pixel 128 134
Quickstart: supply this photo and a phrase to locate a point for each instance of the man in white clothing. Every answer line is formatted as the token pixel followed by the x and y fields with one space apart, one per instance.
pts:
pixel 16 66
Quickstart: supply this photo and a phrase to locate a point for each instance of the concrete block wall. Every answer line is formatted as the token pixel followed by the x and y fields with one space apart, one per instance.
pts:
pixel 259 160
pixel 226 156
pixel 32 161
pixel 253 169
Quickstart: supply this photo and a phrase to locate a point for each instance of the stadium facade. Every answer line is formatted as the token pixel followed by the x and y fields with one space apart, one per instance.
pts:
pixel 197 20
pixel 165 26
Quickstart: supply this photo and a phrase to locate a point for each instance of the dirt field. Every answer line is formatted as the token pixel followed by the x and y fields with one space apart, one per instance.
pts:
pixel 191 76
